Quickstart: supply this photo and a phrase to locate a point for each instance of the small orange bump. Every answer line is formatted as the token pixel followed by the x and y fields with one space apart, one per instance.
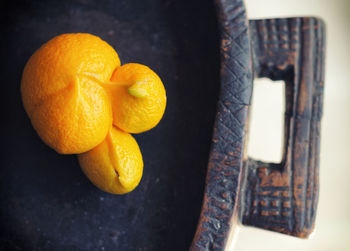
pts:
pixel 116 165
pixel 139 105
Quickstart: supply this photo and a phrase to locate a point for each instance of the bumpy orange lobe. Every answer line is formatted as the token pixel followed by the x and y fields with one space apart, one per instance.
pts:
pixel 139 105
pixel 69 111
pixel 116 165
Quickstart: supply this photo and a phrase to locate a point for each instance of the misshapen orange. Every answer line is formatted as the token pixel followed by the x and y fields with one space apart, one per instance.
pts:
pixel 74 90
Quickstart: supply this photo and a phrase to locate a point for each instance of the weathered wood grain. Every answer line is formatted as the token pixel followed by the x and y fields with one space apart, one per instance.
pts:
pixel 220 207
pixel 276 196
pixel 283 197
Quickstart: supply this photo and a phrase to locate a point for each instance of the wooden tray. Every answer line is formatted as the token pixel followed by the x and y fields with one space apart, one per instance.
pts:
pixel 281 197
pixel 48 204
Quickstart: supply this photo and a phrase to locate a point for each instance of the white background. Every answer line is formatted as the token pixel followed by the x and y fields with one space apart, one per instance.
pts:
pixel 332 231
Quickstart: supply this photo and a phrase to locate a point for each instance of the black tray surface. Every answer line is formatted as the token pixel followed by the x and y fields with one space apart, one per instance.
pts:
pixel 46 201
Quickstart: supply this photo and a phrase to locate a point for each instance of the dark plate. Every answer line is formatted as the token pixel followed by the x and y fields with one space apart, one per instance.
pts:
pixel 46 201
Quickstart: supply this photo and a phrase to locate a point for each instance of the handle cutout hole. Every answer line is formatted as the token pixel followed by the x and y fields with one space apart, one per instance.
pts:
pixel 266 127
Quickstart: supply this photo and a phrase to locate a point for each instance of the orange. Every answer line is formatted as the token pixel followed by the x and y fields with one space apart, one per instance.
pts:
pixel 138 98
pixel 81 101
pixel 115 165
pixel 70 112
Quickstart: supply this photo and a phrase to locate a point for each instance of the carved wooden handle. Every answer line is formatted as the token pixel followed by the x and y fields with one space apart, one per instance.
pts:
pixel 283 197
pixel 220 204
pixel 279 197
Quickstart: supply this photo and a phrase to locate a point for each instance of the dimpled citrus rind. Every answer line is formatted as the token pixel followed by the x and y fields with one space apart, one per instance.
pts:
pixel 114 166
pixel 134 114
pixel 70 112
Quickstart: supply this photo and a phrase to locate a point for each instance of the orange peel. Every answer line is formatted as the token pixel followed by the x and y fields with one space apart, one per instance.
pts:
pixel 81 101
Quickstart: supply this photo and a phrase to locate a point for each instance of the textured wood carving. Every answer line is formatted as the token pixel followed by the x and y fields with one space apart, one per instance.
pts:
pixel 279 197
pixel 220 207
pixel 283 197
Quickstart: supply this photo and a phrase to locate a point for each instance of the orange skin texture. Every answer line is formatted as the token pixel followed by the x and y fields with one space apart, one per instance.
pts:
pixel 81 101
pixel 133 114
pixel 70 113
pixel 115 165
